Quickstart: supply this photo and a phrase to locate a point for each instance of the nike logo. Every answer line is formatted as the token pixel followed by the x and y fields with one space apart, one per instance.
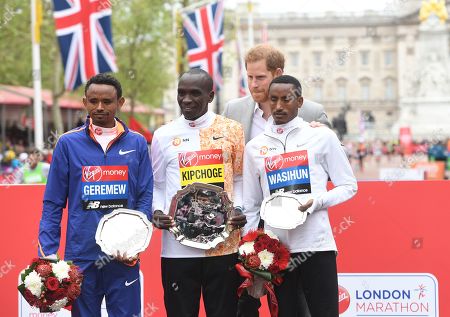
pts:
pixel 125 152
pixel 129 283
pixel 217 137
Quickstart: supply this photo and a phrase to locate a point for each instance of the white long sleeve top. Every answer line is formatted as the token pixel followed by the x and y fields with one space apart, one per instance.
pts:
pixel 297 158
pixel 175 148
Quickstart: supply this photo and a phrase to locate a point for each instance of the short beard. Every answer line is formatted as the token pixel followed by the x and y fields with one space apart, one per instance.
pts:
pixel 266 98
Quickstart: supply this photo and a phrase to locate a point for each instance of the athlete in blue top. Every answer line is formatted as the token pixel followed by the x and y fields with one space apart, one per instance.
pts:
pixel 97 167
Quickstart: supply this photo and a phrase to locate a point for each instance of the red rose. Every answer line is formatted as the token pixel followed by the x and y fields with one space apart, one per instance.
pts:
pixel 273 246
pixel 55 295
pixel 44 270
pixel 52 283
pixel 253 262
pixel 258 246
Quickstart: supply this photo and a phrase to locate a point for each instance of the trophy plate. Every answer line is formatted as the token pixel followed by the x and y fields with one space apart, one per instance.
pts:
pixel 124 230
pixel 280 210
pixel 201 212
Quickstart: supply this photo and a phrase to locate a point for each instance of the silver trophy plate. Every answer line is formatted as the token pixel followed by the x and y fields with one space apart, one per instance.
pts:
pixel 280 210
pixel 124 230
pixel 201 213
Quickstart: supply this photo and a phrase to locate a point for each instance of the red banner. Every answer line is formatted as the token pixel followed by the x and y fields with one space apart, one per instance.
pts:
pixel 389 227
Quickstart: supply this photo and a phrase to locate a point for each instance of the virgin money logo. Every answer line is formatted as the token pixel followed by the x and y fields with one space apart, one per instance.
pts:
pixel 188 159
pixel 92 173
pixel 274 163
pixel 344 300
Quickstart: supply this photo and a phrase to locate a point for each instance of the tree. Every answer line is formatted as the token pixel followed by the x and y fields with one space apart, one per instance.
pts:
pixel 15 48
pixel 142 35
pixel 15 43
pixel 143 42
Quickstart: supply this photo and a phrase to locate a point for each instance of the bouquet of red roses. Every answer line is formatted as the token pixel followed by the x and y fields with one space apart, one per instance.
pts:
pixel 263 259
pixel 50 285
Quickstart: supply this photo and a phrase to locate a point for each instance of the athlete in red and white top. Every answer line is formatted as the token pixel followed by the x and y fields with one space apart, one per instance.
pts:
pixel 199 146
pixel 290 156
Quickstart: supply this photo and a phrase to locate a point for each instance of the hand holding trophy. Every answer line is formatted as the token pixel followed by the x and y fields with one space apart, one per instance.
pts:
pixel 285 210
pixel 238 219
pixel 162 221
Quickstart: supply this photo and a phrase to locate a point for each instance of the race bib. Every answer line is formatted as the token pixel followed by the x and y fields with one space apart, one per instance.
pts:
pixel 201 167
pixel 288 172
pixel 104 187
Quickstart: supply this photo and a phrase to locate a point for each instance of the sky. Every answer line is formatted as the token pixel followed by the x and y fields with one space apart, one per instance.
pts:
pixel 319 6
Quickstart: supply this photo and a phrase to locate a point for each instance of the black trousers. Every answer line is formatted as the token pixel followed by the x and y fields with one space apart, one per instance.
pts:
pixel 315 274
pixel 184 279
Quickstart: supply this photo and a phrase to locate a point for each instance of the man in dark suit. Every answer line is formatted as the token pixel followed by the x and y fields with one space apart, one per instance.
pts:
pixel 263 63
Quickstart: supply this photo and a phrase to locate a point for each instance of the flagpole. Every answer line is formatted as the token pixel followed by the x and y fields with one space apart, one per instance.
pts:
pixel 241 59
pixel 251 40
pixel 36 19
pixel 194 6
pixel 180 50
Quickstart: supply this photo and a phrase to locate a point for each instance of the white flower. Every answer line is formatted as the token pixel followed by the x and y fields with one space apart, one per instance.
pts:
pixel 266 258
pixel 247 248
pixel 271 234
pixel 61 270
pixel 59 304
pixel 33 283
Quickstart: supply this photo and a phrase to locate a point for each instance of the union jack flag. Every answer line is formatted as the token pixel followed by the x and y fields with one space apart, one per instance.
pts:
pixel 84 34
pixel 203 30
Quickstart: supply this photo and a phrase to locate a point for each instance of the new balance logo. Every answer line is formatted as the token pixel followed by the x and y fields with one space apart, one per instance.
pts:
pixel 121 152
pixel 93 205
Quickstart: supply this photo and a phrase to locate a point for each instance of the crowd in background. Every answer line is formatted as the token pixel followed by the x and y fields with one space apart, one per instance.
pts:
pixel 18 161
pixel 21 165
pixel 384 152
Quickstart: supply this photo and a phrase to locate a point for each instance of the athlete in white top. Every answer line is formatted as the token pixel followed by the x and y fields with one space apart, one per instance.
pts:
pixel 290 156
pixel 200 146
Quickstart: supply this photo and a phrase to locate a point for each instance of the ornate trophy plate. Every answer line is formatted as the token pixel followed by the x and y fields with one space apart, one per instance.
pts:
pixel 201 212
pixel 124 230
pixel 280 210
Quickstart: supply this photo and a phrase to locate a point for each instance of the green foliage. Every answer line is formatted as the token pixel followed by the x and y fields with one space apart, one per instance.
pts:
pixel 15 43
pixel 143 42
pixel 144 46
pixel 265 275
pixel 26 272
